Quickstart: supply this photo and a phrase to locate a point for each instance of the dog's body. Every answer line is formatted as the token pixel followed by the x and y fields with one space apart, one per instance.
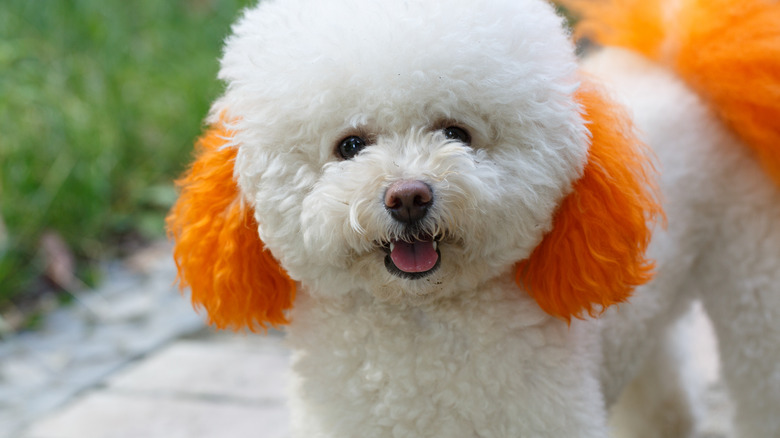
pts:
pixel 717 200
pixel 466 118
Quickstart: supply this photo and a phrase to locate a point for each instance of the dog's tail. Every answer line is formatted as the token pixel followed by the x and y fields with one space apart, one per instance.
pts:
pixel 727 50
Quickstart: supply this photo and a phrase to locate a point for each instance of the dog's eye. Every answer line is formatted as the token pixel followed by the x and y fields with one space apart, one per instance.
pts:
pixel 459 134
pixel 350 146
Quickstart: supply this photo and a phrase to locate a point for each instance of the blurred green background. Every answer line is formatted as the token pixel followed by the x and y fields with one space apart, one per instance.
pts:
pixel 100 101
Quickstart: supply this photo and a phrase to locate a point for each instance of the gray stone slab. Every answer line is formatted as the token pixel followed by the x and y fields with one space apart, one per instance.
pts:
pixel 114 415
pixel 136 311
pixel 255 372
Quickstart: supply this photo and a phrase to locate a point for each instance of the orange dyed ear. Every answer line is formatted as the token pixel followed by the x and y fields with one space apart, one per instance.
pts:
pixel 594 255
pixel 217 250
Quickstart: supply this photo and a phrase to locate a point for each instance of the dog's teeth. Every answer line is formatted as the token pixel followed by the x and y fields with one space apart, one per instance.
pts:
pixel 435 245
pixel 392 245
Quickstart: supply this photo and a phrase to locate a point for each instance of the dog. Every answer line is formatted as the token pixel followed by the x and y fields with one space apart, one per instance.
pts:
pixel 468 231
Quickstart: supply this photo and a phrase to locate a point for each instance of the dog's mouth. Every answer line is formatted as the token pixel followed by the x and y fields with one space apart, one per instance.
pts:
pixel 412 258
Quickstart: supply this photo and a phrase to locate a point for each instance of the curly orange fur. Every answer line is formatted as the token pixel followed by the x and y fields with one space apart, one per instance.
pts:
pixel 595 253
pixel 638 24
pixel 727 50
pixel 217 250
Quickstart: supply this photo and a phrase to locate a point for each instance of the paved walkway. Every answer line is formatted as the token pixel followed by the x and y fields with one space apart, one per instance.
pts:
pixel 132 360
pixel 203 387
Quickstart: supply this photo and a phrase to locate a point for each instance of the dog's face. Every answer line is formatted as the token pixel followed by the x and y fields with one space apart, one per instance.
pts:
pixel 411 149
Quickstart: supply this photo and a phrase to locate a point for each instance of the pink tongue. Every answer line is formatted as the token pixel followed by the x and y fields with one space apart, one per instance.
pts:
pixel 418 256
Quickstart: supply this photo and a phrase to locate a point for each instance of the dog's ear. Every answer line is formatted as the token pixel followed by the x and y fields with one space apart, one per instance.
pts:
pixel 216 246
pixel 595 254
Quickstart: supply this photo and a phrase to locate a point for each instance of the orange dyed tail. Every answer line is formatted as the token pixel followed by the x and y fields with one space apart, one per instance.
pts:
pixel 727 50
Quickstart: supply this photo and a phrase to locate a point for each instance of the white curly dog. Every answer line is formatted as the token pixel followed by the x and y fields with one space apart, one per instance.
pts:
pixel 463 227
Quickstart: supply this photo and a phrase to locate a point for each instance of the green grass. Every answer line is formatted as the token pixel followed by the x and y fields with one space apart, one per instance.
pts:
pixel 100 101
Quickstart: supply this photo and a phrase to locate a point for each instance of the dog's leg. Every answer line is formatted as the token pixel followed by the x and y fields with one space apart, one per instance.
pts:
pixel 655 404
pixel 742 297
pixel 747 323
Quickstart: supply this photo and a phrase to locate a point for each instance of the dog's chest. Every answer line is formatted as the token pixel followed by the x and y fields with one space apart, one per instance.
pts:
pixel 460 370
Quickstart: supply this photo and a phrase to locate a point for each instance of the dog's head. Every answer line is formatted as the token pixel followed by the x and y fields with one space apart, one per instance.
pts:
pixel 409 150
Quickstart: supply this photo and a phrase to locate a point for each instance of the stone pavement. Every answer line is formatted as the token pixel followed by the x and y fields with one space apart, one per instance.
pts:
pixel 78 347
pixel 132 360
pixel 203 387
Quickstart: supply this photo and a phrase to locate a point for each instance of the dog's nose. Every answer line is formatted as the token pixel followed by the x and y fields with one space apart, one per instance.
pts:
pixel 408 201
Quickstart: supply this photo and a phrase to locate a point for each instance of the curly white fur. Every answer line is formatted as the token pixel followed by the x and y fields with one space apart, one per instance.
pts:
pixel 463 352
